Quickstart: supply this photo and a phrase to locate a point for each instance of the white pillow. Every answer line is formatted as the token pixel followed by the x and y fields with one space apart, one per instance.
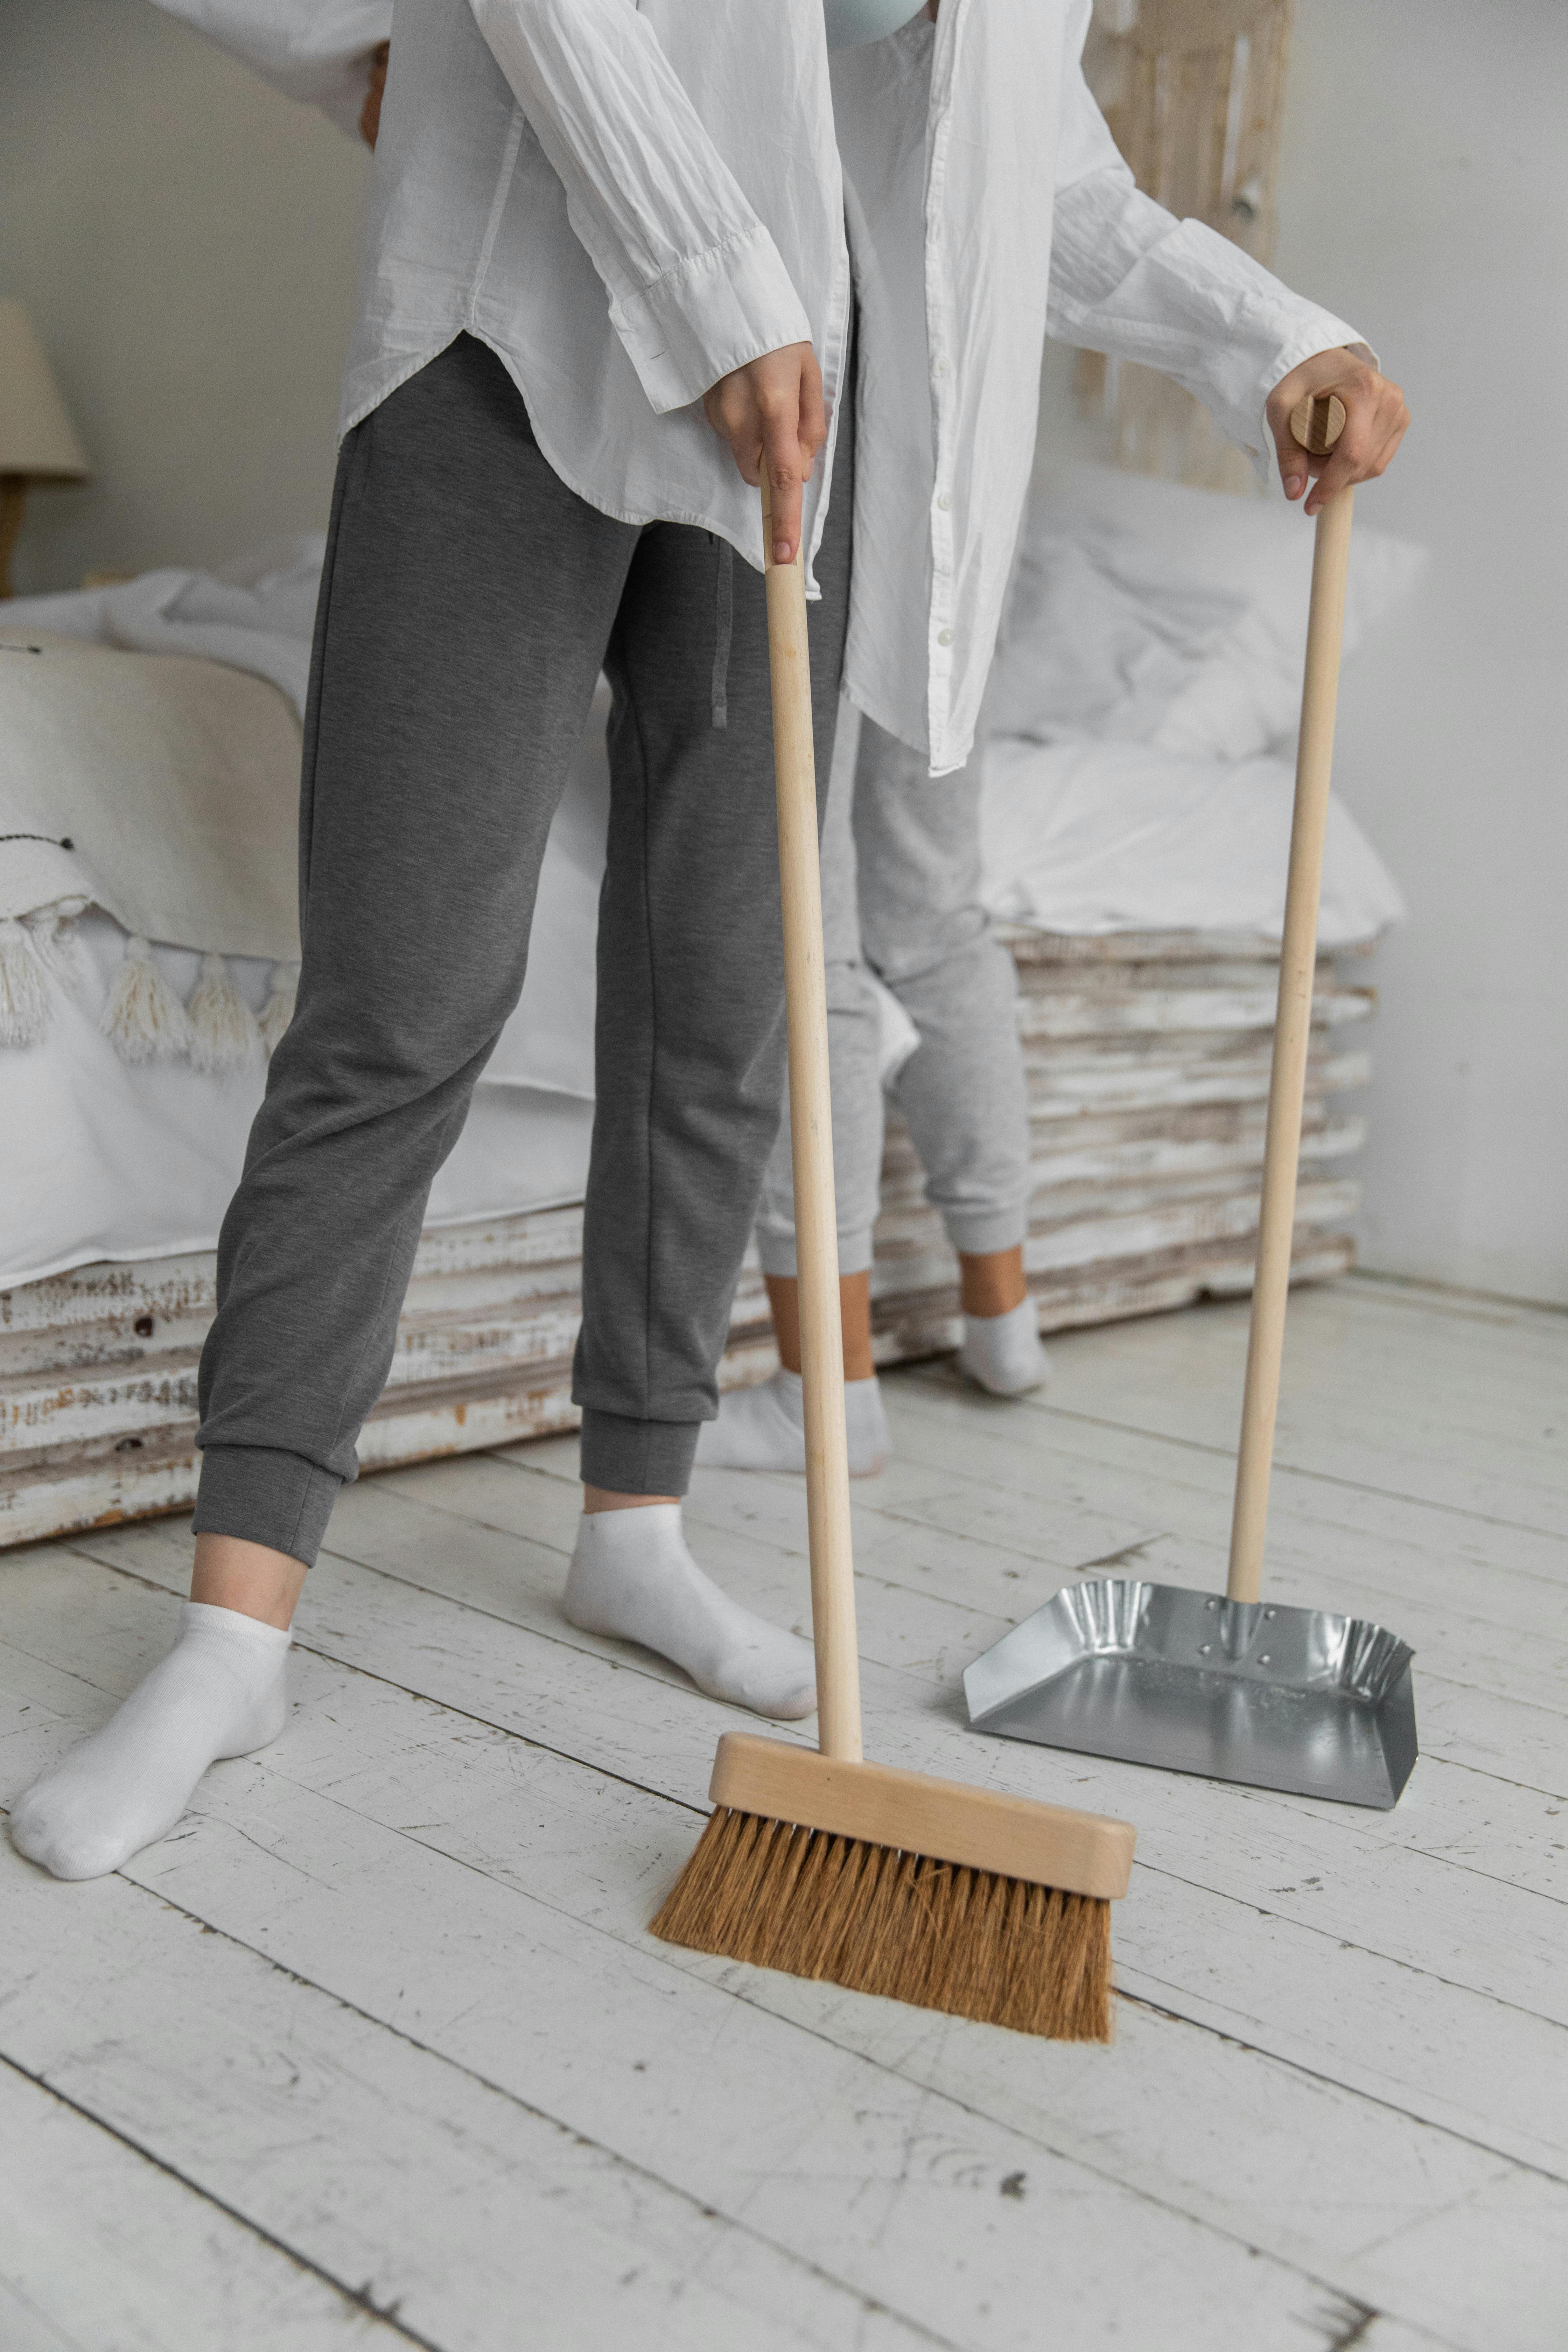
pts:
pixel 1087 838
pixel 1144 611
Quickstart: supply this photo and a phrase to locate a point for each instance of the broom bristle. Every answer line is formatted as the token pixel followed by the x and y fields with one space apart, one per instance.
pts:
pixel 972 1943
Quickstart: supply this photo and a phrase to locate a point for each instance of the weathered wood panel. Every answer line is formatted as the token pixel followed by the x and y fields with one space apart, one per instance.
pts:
pixel 1129 1012
pixel 1147 1060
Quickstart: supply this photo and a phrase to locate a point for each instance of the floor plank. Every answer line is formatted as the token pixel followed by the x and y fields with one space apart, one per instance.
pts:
pixel 102 2247
pixel 1245 1881
pixel 1237 1842
pixel 1480 1820
pixel 1460 1403
pixel 385 2003
pixel 458 2203
pixel 1170 2123
pixel 504 1989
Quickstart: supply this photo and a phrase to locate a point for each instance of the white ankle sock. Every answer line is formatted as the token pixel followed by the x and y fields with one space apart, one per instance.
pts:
pixel 764 1428
pixel 1002 1352
pixel 220 1692
pixel 632 1575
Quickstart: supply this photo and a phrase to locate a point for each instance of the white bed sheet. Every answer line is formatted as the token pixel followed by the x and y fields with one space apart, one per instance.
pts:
pixel 1139 772
pixel 106 1160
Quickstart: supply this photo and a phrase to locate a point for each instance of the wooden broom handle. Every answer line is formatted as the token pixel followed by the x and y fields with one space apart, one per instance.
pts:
pixel 811 1130
pixel 1316 425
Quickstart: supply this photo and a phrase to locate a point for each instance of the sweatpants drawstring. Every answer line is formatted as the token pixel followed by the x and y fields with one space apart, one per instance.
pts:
pixel 723 622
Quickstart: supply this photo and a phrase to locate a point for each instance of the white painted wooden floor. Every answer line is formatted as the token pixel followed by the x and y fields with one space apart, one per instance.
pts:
pixel 374 2049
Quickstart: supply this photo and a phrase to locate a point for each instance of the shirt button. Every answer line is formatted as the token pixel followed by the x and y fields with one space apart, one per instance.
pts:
pixel 945 638
pixel 944 502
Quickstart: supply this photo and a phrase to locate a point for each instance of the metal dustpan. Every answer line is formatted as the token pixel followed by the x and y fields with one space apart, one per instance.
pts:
pixel 1223 1684
pixel 1281 1698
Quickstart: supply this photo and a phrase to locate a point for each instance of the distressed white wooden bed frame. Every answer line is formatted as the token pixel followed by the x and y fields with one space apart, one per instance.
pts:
pixel 1148 1062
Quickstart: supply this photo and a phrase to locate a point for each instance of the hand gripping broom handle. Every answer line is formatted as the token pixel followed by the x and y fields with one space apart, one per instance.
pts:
pixel 811 1130
pixel 1317 431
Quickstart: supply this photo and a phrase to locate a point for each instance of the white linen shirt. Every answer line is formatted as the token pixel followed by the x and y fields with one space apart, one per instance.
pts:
pixel 628 201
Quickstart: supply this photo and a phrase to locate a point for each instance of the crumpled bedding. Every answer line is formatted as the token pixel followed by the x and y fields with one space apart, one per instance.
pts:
pixel 1137 777
pixel 255 613
pixel 1140 767
pixel 177 784
pixel 102 1160
pixel 105 1159
pixel 165 791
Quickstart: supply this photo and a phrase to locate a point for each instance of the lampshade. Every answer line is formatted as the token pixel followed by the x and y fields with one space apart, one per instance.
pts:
pixel 36 435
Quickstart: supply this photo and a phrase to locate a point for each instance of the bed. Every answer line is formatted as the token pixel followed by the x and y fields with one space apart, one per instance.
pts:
pixel 1136 809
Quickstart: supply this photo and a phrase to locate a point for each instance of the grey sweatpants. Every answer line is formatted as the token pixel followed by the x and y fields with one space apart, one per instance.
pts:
pixel 900 894
pixel 469 600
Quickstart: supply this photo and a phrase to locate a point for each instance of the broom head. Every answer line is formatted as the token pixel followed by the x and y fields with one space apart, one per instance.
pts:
pixel 954 1898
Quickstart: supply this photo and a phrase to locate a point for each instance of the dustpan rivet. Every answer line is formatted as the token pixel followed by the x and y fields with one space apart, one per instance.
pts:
pixel 1272 1612
pixel 1203 1649
pixel 1211 1604
pixel 1263 1660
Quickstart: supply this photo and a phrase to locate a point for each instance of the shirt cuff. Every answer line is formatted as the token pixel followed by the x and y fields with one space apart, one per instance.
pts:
pixel 708 316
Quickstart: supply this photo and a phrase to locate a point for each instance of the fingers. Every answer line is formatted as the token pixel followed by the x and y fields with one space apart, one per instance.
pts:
pixel 792 442
pixel 789 394
pixel 1376 419
pixel 784 460
pixel 1339 471
pixel 1294 471
pixel 813 413
pixel 734 417
pixel 1346 461
pixel 370 112
pixel 773 416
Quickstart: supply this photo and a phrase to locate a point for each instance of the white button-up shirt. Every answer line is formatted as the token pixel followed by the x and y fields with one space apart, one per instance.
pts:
pixel 625 202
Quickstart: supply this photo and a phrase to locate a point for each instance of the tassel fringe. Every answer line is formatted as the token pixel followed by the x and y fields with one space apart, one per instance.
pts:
pixel 968 1942
pixel 23 999
pixel 278 1010
pixel 224 1034
pixel 57 942
pixel 143 1018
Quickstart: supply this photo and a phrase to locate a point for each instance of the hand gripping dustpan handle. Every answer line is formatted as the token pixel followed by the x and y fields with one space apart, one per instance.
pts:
pixel 1298 961
pixel 811 1130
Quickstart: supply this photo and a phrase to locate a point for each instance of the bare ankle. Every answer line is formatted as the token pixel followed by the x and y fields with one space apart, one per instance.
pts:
pixel 249 1577
pixel 604 1499
pixel 994 1283
pixel 855 1314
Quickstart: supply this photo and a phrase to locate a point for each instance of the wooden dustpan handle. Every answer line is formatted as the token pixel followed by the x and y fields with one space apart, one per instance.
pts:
pixel 811 1128
pixel 1298 961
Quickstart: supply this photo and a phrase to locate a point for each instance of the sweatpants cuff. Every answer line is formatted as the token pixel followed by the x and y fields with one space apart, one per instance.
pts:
pixel 637 1458
pixel 776 1254
pixel 976 1233
pixel 266 1497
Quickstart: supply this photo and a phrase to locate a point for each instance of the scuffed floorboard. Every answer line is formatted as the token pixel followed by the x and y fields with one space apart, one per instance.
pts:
pixel 375 2047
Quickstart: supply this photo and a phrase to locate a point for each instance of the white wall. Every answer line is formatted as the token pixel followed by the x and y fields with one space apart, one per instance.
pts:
pixel 185 241
pixel 1425 197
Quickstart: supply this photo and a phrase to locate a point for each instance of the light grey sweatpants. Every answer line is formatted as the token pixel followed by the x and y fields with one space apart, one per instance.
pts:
pixel 901 895
pixel 469 600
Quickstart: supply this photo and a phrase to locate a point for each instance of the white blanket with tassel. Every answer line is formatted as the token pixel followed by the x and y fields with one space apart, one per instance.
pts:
pixel 166 792
pixel 148 813
pixel 163 792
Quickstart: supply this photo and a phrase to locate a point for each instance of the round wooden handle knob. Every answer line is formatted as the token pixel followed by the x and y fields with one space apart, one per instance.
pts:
pixel 1317 422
